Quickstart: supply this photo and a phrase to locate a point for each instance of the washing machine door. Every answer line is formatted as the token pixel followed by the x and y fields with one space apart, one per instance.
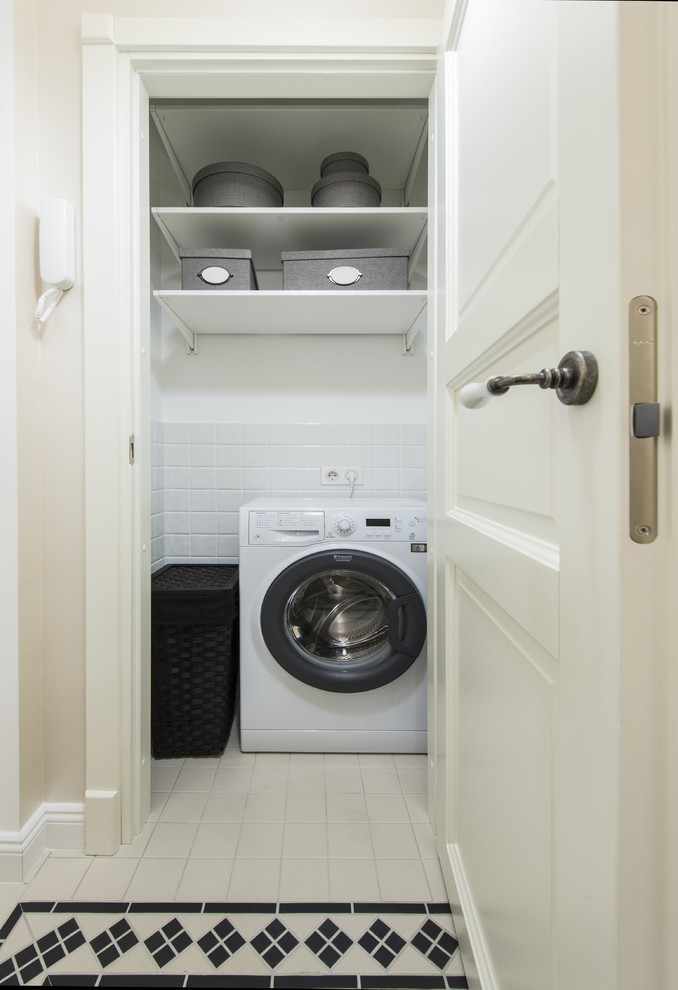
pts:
pixel 343 621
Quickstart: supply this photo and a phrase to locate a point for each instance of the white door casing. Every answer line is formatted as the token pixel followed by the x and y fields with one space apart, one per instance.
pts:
pixel 546 612
pixel 126 60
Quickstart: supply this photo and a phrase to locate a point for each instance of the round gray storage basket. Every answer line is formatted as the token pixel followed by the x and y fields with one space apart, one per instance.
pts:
pixel 344 161
pixel 236 184
pixel 346 189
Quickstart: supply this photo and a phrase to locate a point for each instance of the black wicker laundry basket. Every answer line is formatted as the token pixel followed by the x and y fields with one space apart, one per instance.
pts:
pixel 194 658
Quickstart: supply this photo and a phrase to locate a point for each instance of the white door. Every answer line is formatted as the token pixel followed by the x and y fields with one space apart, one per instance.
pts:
pixel 538 585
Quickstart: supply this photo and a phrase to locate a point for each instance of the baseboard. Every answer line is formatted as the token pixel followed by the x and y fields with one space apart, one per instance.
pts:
pixel 52 826
pixel 472 944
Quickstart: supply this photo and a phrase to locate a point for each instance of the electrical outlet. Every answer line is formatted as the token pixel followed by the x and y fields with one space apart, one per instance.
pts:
pixel 337 476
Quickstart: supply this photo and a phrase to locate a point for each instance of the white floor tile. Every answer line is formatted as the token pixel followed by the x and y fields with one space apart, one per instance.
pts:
pixel 346 808
pixel 232 779
pixel 305 808
pixel 410 760
pixel 269 780
pixel 434 875
pixel 306 780
pixel 184 806
pixel 417 805
pixel 334 760
pixel 216 840
pixel 107 879
pixel 254 880
pixel 272 760
pixel 413 781
pixel 402 880
pixel 307 760
pixel 265 807
pixel 353 880
pixel 57 879
pixel 225 806
pixel 170 840
pixel 163 778
pixel 156 880
pixel 10 895
pixel 374 761
pixel 352 840
pixel 305 839
pixel 303 880
pixel 393 841
pixel 205 880
pixel 262 840
pixel 343 780
pixel 381 781
pixel 195 779
pixel 387 808
pixel 426 840
pixel 158 801
pixel 234 758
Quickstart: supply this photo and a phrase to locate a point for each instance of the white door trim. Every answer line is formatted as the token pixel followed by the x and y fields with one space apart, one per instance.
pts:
pixel 123 58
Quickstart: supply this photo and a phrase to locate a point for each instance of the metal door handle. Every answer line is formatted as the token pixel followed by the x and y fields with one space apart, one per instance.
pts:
pixel 404 601
pixel 574 381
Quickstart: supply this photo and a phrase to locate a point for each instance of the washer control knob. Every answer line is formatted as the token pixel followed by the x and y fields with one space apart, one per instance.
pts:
pixel 344 525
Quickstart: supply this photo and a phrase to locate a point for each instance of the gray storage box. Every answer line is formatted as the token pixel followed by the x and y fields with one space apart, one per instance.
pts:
pixel 216 269
pixel 236 184
pixel 344 161
pixel 364 268
pixel 346 189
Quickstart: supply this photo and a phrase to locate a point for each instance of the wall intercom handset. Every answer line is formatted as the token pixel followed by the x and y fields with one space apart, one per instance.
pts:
pixel 57 253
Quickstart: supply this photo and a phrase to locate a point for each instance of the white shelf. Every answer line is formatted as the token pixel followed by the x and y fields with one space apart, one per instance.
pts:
pixel 284 312
pixel 290 138
pixel 267 232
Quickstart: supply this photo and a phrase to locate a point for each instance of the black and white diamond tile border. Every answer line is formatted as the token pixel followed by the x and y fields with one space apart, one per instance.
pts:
pixel 307 946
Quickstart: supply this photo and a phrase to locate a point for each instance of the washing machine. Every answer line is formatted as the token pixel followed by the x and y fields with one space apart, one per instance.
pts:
pixel 333 626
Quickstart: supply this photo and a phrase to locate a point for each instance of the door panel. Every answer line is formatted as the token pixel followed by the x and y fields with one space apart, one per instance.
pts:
pixel 530 635
pixel 507 689
pixel 504 64
pixel 507 441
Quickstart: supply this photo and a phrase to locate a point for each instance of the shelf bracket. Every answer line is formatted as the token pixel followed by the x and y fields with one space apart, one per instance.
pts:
pixel 190 337
pixel 178 170
pixel 409 335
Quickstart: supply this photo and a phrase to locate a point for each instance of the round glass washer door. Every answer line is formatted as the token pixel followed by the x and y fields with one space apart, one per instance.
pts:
pixel 343 621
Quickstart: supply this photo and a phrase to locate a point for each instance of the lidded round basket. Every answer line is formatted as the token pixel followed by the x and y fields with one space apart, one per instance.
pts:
pixel 346 189
pixel 236 184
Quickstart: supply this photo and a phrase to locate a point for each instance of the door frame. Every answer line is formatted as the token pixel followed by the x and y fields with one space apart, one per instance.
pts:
pixel 126 61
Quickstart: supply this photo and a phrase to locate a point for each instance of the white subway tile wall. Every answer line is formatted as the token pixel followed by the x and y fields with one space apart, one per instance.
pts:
pixel 203 472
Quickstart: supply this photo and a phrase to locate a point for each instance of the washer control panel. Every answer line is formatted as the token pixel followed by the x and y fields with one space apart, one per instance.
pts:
pixel 355 523
pixel 401 526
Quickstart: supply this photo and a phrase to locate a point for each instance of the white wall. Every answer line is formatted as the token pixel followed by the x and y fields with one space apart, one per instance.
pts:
pixel 293 380
pixel 9 601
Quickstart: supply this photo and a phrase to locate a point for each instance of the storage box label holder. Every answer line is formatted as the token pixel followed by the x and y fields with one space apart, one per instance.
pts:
pixel 344 275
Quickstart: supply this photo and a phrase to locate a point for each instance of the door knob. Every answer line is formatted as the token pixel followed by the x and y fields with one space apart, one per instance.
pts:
pixel 574 381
